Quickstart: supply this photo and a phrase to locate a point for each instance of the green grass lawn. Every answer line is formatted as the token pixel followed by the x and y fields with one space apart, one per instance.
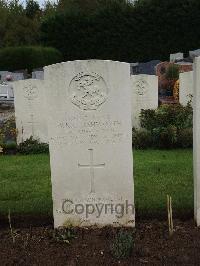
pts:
pixel 25 186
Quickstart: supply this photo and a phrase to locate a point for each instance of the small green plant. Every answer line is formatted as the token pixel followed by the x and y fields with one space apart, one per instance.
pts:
pixel 172 72
pixel 32 146
pixel 122 246
pixel 64 234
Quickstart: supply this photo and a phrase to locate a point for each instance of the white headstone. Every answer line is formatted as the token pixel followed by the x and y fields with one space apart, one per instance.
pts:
pixel 194 53
pixel 14 76
pixel 17 76
pixel 30 110
pixel 144 95
pixel 196 137
pixel 196 140
pixel 38 75
pixel 3 74
pixel 89 105
pixel 177 56
pixel 186 87
pixel 6 91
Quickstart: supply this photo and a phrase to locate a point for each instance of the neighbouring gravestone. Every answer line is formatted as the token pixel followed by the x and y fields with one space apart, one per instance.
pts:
pixel 194 53
pixel 38 75
pixel 11 76
pixel 30 110
pixel 176 56
pixel 186 87
pixel 196 140
pixel 6 91
pixel 3 74
pixel 89 123
pixel 144 95
pixel 148 68
pixel 17 76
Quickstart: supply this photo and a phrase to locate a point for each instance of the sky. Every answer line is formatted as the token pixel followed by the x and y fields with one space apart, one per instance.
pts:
pixel 41 2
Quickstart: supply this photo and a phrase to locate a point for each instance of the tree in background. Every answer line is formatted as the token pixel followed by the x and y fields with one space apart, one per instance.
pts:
pixel 85 34
pixel 4 13
pixel 150 29
pixel 32 9
pixel 50 9
pixel 19 26
pixel 106 29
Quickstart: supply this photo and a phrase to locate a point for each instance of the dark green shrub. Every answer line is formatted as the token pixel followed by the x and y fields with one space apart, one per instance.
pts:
pixel 141 139
pixel 148 119
pixel 28 57
pixel 10 147
pixel 32 146
pixel 176 115
pixel 165 137
pixel 185 138
pixel 122 246
pixel 169 126
pixel 8 130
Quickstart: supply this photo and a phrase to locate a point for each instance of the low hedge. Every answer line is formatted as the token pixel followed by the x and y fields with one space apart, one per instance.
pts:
pixel 28 57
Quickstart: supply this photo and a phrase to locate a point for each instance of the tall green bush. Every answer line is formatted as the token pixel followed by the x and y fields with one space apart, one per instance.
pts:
pixel 28 57
pixel 120 31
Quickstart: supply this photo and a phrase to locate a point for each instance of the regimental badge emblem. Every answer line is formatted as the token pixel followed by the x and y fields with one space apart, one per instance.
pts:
pixel 88 91
pixel 141 87
pixel 30 92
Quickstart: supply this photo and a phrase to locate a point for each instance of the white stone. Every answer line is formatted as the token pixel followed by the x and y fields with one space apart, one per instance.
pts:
pixel 89 123
pixel 6 91
pixel 194 53
pixel 176 56
pixel 30 110
pixel 38 75
pixel 17 76
pixel 3 74
pixel 196 140
pixel 14 76
pixel 144 95
pixel 186 87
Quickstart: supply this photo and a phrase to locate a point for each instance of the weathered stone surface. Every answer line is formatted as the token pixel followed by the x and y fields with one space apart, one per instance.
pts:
pixel 144 95
pixel 186 87
pixel 38 75
pixel 89 106
pixel 196 140
pixel 30 110
pixel 176 56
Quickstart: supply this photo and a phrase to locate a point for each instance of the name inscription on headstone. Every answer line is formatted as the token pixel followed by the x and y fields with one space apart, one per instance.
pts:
pixel 88 129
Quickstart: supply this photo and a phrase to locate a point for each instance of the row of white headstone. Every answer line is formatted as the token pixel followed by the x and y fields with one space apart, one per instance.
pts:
pixel 30 104
pixel 86 110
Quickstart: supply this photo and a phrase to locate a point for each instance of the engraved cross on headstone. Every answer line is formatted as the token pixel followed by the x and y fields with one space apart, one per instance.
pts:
pixel 32 122
pixel 91 166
